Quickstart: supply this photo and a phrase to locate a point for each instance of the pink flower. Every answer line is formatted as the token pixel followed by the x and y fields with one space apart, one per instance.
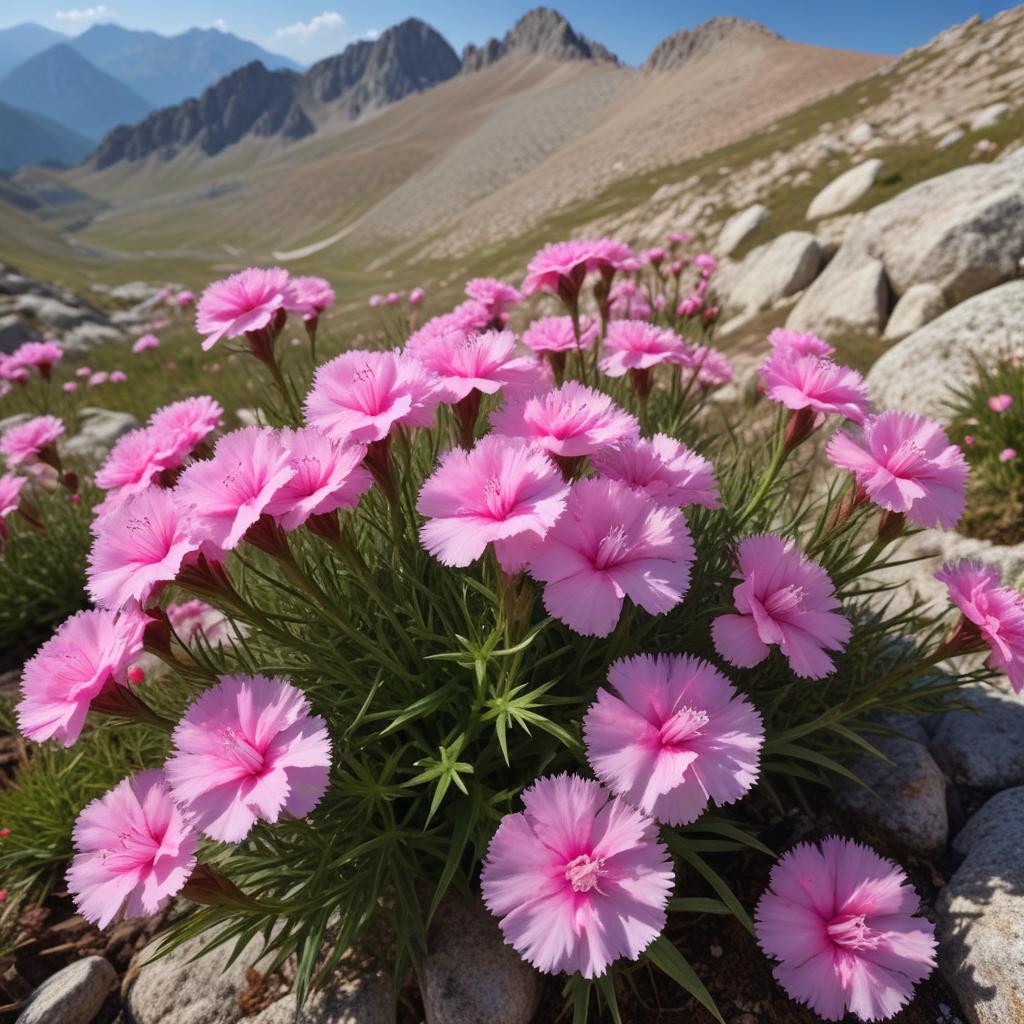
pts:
pixel 88 655
pixel 469 317
pixel 185 298
pixel 184 425
pixel 655 257
pixel 248 749
pixel 234 488
pixel 243 302
pixel 609 255
pixel 118 377
pixel 666 471
pixel 679 237
pixel 83 371
pixel 997 403
pixel 145 343
pixel 578 878
pixel 1008 455
pixel 478 362
pixel 31 440
pixel 706 264
pixel 375 301
pixel 555 334
pixel 40 355
pixel 196 618
pixel 98 378
pixel 968 439
pixel 906 464
pixel 416 297
pixel 673 735
pixel 327 477
pixel 139 547
pixel 560 268
pixel 361 395
pixel 993 614
pixel 10 499
pixel 133 462
pixel 310 296
pixel 690 306
pixel 568 421
pixel 134 851
pixel 784 599
pixel 840 920
pixel 799 343
pixel 628 301
pixel 817 384
pixel 503 491
pixel 495 296
pixel 69 387
pixel 392 298
pixel 611 543
pixel 638 345
pixel 711 367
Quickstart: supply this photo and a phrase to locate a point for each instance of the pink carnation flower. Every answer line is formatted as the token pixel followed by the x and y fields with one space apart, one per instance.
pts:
pixel 184 425
pixel 118 377
pixel 83 371
pixel 638 345
pixel 69 387
pixel 88 656
pixel 841 922
pixel 31 440
pixel 193 618
pixel 578 878
pixel 555 334
pixel 799 343
pixel 906 464
pixel 496 296
pixel 310 296
pixel 393 298
pixel 705 263
pixel 327 477
pixel 559 268
pixel 98 378
pixel 1008 455
pixel 243 302
pixel 503 491
pixel 231 490
pixel 134 851
pixel 10 493
pixel 416 297
pixel 712 368
pixel 145 343
pixel 784 599
pixel 673 735
pixel 997 403
pixel 375 301
pixel 361 395
pixel 817 384
pixel 611 543
pixel 39 355
pixel 139 547
pixel 248 749
pixel 136 458
pixel 628 301
pixel 993 614
pixel 666 471
pixel 569 421
pixel 469 317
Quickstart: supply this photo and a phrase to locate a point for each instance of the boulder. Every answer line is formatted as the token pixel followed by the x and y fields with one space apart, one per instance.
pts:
pixel 989 117
pixel 14 331
pixel 773 271
pixel 917 306
pixel 981 914
pixel 916 373
pixel 861 134
pixel 52 312
pixel 88 335
pixel 97 431
pixel 845 190
pixel 740 226
pixel 951 138
pixel 364 1000
pixel 470 976
pixel 73 995
pixel 850 297
pixel 908 804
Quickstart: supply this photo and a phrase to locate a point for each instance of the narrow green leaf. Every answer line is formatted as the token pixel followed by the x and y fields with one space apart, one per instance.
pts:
pixel 678 845
pixel 581 1001
pixel 465 819
pixel 670 961
pixel 697 905
pixel 606 986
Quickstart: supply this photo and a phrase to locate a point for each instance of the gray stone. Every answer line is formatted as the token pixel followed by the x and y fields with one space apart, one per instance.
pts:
pixel 14 331
pixel 73 995
pixel 850 297
pixel 740 226
pixel 861 134
pixel 53 312
pixel 917 306
pixel 845 190
pixel 982 748
pixel 989 117
pixel 773 271
pixel 916 373
pixel 909 800
pixel 951 138
pixel 97 431
pixel 88 335
pixel 981 914
pixel 363 1000
pixel 470 976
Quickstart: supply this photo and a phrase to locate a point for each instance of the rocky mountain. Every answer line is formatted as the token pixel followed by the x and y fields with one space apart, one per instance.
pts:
pixel 166 70
pixel 254 101
pixel 61 84
pixel 687 44
pixel 19 42
pixel 28 138
pixel 540 31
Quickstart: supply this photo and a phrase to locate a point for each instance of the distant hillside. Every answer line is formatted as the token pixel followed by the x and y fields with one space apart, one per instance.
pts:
pixel 166 70
pixel 61 84
pixel 19 42
pixel 28 138
pixel 688 44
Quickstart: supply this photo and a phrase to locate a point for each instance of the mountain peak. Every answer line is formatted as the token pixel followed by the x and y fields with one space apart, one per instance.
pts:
pixel 688 44
pixel 543 31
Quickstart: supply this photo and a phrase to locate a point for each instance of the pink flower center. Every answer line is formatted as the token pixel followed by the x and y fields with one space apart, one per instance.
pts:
pixel 584 873
pixel 133 849
pixel 612 549
pixel 497 501
pixel 851 931
pixel 685 724
pixel 783 601
pixel 239 750
pixel 907 461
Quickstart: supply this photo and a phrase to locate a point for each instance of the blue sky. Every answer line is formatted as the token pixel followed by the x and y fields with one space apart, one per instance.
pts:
pixel 309 29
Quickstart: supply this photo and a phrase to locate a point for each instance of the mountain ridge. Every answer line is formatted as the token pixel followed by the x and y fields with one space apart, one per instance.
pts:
pixel 27 137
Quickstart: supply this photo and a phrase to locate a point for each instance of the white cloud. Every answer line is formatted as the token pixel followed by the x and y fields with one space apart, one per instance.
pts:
pixel 372 34
pixel 80 14
pixel 328 21
pixel 219 24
